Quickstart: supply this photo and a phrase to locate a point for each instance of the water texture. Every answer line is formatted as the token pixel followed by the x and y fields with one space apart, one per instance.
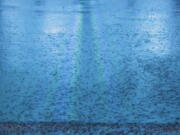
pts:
pixel 88 62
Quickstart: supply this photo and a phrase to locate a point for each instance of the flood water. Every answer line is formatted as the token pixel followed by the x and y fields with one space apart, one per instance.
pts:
pixel 90 61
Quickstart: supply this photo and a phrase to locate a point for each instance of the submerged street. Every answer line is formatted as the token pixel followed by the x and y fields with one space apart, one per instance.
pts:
pixel 114 61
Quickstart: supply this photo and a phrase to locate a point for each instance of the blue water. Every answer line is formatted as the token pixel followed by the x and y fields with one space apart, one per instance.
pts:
pixel 90 61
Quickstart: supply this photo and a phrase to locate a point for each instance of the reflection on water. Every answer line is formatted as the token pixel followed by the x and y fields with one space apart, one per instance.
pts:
pixel 89 61
pixel 88 80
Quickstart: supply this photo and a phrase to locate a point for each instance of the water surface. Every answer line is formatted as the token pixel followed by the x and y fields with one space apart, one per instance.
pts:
pixel 90 61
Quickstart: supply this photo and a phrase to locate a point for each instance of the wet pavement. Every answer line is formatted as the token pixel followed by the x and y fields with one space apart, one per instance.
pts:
pixel 90 61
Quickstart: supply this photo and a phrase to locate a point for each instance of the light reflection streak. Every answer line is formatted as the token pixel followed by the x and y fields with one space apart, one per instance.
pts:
pixel 156 27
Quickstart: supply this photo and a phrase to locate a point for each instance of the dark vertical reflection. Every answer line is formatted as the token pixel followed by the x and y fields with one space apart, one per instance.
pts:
pixel 88 87
pixel 87 64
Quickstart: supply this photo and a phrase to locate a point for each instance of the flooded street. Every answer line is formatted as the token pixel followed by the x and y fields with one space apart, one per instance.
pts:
pixel 107 61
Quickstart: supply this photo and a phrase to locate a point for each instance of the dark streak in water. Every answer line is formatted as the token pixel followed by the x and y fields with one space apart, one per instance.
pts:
pixel 81 128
